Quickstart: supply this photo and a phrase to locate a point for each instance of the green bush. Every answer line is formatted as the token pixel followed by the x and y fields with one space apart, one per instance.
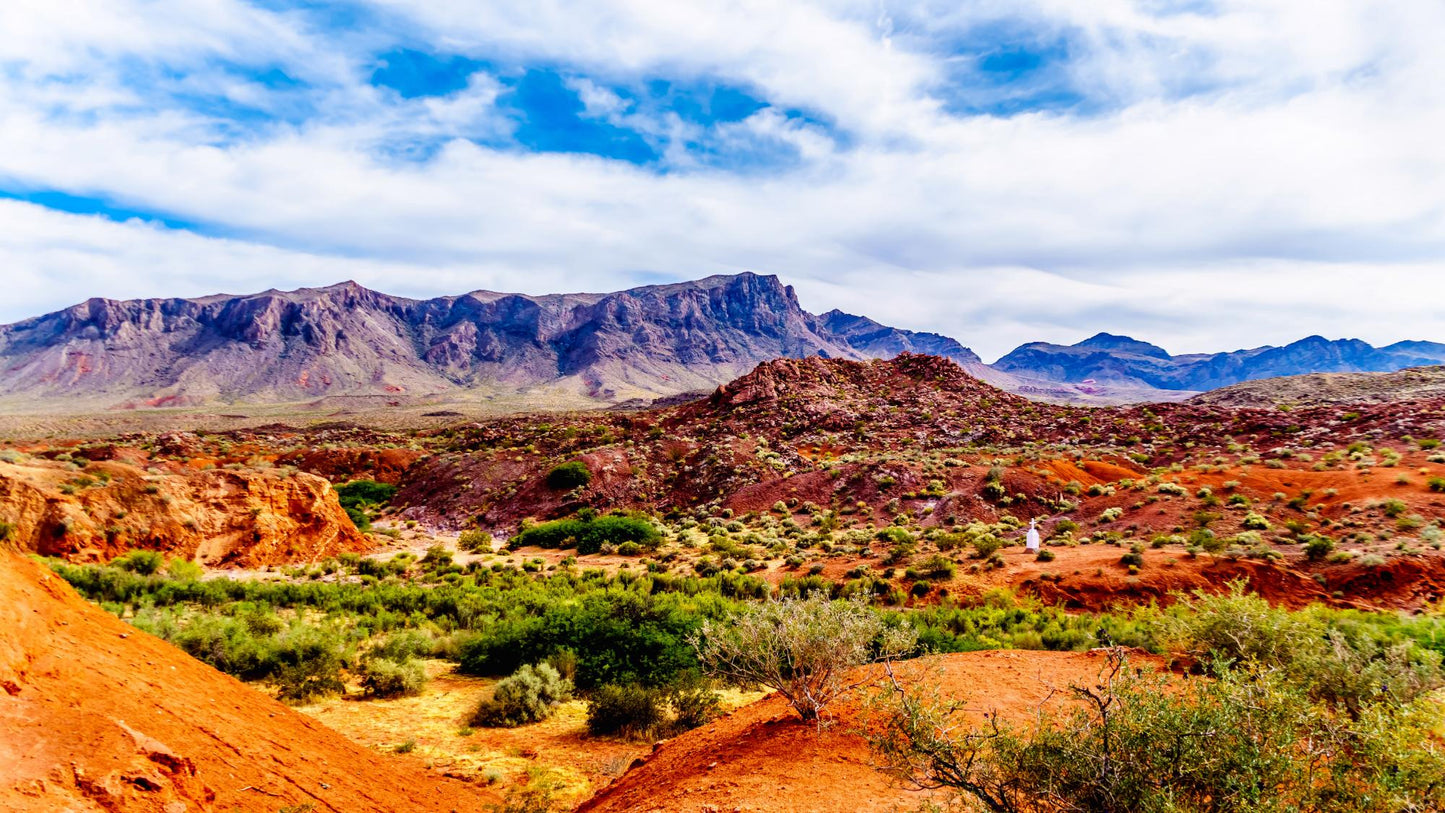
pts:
pixel 306 664
pixel 1045 555
pixel 475 541
pixel 627 711
pixel 360 498
pixel 144 562
pixel 1255 522
pixel 383 677
pixel 693 706
pixel 1243 742
pixel 403 646
pixel 1346 660
pixel 359 493
pixel 528 696
pixel 570 475
pixel 1437 483
pixel 937 567
pixel 985 545
pixel 184 570
pixel 589 535
pixel 1319 547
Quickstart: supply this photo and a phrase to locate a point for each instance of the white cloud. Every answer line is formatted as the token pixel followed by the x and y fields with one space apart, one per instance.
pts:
pixel 1297 187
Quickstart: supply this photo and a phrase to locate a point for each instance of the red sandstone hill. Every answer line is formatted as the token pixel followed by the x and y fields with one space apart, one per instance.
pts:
pixel 99 716
pixel 763 758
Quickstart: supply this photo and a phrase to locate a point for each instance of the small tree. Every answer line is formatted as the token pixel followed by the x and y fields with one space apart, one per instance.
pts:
pixel 806 649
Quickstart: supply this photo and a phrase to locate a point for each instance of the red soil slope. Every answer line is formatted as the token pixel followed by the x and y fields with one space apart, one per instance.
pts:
pixel 763 757
pixel 98 716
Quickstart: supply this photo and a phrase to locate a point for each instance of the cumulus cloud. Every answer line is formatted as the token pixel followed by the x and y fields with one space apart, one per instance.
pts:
pixel 1204 175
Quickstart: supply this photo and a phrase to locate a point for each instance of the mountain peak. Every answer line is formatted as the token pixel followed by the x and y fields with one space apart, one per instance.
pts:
pixel 1123 344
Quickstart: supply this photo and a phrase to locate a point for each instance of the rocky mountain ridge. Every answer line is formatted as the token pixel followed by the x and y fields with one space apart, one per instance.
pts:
pixel 560 349
pixel 280 346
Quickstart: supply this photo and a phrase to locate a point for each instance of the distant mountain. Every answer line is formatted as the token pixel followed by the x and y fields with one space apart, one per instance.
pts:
pixel 880 341
pixel 1106 362
pixel 279 346
pixel 627 347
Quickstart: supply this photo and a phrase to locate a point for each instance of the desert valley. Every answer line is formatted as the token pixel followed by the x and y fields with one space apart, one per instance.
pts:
pixel 722 406
pixel 230 601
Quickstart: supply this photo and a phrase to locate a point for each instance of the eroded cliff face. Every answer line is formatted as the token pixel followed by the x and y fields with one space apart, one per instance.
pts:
pixel 218 517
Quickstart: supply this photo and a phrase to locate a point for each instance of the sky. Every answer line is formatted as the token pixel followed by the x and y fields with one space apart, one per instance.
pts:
pixel 1202 175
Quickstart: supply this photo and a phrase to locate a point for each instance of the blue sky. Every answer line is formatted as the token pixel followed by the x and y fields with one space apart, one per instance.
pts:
pixel 1206 175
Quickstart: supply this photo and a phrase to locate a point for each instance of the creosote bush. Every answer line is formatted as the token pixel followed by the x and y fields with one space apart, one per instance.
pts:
pixel 806 649
pixel 529 695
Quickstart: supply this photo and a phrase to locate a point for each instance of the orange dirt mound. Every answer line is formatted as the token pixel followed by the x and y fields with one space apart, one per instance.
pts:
pixel 99 716
pixel 762 757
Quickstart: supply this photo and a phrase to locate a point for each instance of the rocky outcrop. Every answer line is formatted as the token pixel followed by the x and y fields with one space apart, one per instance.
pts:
pixel 1332 388
pixel 218 518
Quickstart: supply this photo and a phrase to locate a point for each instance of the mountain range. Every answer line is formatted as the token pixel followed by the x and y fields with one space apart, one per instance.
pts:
pixel 648 342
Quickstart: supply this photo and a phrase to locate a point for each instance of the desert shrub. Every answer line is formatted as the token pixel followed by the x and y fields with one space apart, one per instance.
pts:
pixel 306 664
pixel 383 677
pixel 1255 522
pixel 937 567
pixel 144 562
pixel 985 545
pixel 570 475
pixel 184 569
pixel 7 529
pixel 1045 556
pixel 358 493
pixel 529 695
pixel 1319 547
pixel 437 556
pixel 627 711
pixel 1346 660
pixel 1064 527
pixel 1437 484
pixel 1243 741
pixel 694 704
pixel 360 498
pixel 1111 514
pixel 802 648
pixel 474 541
pixel 1393 508
pixel 619 637
pixel 589 535
pixel 403 645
